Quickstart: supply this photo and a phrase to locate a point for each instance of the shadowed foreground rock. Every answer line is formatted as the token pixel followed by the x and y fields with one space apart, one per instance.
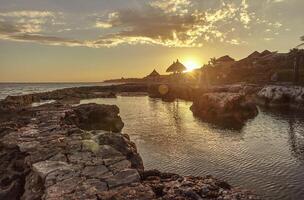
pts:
pixel 224 108
pixel 48 156
pixel 96 117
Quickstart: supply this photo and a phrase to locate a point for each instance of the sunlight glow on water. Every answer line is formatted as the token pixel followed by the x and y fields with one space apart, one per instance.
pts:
pixel 267 155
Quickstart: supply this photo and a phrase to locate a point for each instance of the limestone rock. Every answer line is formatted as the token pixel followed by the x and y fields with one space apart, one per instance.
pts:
pixel 224 108
pixel 43 168
pixel 95 171
pixel 96 117
pixel 281 96
pixel 123 178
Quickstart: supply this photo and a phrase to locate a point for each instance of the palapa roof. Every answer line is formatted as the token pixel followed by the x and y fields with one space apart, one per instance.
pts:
pixel 266 53
pixel 255 54
pixel 153 74
pixel 176 67
pixel 225 59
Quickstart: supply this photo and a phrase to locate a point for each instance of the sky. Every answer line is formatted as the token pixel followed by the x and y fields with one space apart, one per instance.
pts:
pixel 95 40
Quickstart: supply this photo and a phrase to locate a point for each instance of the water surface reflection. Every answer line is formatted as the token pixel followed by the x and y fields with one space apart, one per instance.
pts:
pixel 266 155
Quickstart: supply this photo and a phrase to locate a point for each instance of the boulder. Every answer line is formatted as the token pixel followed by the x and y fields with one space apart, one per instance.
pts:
pixel 281 96
pixel 224 108
pixel 96 117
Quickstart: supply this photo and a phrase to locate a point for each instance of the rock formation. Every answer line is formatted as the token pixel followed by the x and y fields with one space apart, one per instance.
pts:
pixel 51 152
pixel 96 117
pixel 281 96
pixel 224 108
pixel 52 158
pixel 70 95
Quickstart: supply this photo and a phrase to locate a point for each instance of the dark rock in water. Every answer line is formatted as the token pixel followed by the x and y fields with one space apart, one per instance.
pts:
pixel 224 108
pixel 96 117
pixel 281 97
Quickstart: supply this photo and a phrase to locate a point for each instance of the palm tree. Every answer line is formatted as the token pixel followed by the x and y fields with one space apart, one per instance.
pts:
pixel 212 61
pixel 302 39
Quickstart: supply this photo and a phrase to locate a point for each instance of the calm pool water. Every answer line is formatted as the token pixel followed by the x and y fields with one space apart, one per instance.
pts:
pixel 267 155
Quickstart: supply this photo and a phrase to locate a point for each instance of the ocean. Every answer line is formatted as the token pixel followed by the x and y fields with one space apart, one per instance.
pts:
pixel 15 89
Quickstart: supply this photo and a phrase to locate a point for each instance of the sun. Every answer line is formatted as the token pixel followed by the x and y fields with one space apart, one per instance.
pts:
pixel 191 65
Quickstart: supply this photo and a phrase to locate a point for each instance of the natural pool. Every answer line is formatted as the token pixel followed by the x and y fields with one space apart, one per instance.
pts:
pixel 267 155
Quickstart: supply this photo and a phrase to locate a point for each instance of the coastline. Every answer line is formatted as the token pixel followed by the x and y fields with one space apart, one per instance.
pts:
pixel 19 117
pixel 61 156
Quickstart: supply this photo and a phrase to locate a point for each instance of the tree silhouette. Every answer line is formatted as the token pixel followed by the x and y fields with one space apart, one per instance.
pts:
pixel 302 39
pixel 298 60
pixel 212 61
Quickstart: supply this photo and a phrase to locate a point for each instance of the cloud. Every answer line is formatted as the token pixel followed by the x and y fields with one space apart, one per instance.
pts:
pixel 103 25
pixel 275 1
pixel 175 23
pixel 28 14
pixel 28 21
pixel 172 6
pixel 171 23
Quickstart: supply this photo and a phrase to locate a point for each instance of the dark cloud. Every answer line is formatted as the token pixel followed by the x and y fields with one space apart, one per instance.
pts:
pixel 7 28
pixel 152 23
pixel 46 39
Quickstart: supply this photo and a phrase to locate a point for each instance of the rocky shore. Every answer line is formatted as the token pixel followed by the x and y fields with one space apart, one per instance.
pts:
pixel 59 151
pixel 71 95
pixel 281 97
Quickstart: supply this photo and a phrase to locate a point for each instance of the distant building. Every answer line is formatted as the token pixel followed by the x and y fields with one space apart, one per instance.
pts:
pixel 154 75
pixel 224 60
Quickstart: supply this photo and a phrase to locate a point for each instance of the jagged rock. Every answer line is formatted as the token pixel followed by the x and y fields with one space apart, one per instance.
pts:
pixel 124 146
pixel 43 168
pixel 124 177
pixel 12 173
pixel 49 157
pixel 172 186
pixel 33 187
pixel 21 101
pixel 113 160
pixel 107 151
pixel 98 171
pixel 281 96
pixel 133 191
pixel 63 188
pixel 68 95
pixel 96 117
pixel 224 108
pixel 119 166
